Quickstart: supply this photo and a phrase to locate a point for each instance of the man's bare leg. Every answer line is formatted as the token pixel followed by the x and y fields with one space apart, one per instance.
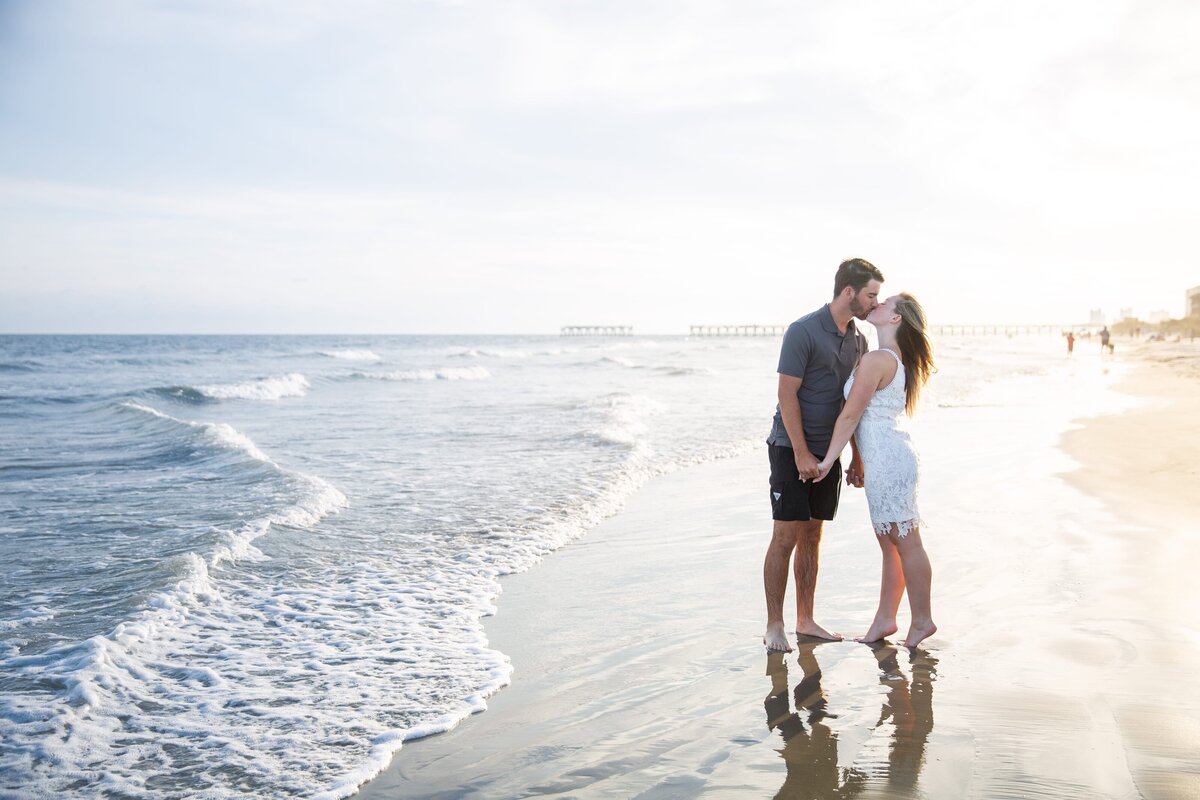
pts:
pixel 808 553
pixel 891 589
pixel 918 575
pixel 775 574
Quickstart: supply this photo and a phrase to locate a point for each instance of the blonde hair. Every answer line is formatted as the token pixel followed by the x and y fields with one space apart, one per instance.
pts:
pixel 916 351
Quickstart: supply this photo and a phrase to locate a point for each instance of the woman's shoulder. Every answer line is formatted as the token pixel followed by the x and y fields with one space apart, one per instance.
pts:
pixel 878 359
pixel 880 365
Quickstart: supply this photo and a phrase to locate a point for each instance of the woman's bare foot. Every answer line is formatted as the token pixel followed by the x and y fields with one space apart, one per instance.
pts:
pixel 880 629
pixel 813 629
pixel 776 638
pixel 919 633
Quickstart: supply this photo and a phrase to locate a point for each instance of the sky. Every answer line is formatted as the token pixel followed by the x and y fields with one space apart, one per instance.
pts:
pixel 451 166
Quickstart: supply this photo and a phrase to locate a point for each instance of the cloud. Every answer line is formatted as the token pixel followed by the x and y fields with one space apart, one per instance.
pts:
pixel 454 159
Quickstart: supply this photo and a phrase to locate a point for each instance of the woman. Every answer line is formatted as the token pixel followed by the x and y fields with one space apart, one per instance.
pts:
pixel 886 383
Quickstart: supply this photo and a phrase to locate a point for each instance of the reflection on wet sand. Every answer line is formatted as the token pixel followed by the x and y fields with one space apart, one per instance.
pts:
pixel 909 706
pixel 810 748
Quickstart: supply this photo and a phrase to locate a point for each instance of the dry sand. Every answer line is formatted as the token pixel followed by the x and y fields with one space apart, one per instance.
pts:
pixel 1062 668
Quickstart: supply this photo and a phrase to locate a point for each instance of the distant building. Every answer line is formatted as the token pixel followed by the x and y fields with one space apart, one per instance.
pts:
pixel 1126 313
pixel 1097 316
pixel 1193 302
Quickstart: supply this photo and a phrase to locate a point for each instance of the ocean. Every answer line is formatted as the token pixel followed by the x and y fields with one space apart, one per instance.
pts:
pixel 253 566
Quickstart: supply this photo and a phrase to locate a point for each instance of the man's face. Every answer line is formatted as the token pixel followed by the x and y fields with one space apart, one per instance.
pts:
pixel 865 300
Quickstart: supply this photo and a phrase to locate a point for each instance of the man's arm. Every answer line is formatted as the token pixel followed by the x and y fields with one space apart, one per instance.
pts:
pixel 789 411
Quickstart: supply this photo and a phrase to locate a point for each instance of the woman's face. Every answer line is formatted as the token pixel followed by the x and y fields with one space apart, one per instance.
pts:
pixel 884 313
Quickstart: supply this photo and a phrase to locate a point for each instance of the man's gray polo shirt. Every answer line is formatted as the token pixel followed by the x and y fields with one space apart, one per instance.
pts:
pixel 822 357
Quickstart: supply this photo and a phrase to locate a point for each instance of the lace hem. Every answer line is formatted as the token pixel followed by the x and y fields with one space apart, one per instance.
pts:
pixel 903 528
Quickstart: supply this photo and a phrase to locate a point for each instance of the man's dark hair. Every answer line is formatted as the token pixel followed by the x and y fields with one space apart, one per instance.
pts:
pixel 856 272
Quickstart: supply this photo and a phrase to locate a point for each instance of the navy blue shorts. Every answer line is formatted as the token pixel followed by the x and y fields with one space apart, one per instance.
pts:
pixel 795 500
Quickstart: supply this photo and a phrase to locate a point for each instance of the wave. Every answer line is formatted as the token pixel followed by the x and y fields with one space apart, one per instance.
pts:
pixel 352 355
pixel 680 371
pixel 489 352
pixel 623 418
pixel 291 385
pixel 151 667
pixel 445 374
pixel 184 393
pixel 30 616
pixel 217 434
pixel 20 366
pixel 666 369
pixel 51 400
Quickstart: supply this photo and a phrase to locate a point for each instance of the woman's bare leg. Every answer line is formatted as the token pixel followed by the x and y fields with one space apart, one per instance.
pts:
pixel 891 589
pixel 918 575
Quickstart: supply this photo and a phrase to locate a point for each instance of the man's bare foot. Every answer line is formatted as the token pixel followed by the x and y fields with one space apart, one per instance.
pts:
pixel 776 638
pixel 879 630
pixel 815 630
pixel 919 633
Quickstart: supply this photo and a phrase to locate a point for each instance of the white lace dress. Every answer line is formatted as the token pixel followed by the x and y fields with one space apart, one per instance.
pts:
pixel 889 460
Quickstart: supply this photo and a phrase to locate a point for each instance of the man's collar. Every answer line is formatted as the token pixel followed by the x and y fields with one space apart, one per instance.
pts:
pixel 828 323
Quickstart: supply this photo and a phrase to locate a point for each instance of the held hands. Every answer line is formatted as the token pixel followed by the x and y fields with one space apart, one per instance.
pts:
pixel 812 470
pixel 806 465
pixel 855 473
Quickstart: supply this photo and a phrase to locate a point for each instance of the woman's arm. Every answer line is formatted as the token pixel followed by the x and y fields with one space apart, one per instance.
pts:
pixel 871 375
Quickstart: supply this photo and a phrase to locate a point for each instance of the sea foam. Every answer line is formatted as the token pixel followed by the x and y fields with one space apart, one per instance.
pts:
pixel 289 652
pixel 625 417
pixel 154 683
pixel 291 385
pixel 442 374
pixel 352 355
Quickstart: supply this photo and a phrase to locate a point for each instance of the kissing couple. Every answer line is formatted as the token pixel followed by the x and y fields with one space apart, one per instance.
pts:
pixel 834 392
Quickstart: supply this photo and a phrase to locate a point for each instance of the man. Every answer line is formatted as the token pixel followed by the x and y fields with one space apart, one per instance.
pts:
pixel 819 352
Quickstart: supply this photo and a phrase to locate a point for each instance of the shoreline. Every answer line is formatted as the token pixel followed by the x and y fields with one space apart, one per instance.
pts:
pixel 1061 659
pixel 1130 448
pixel 579 662
pixel 1143 465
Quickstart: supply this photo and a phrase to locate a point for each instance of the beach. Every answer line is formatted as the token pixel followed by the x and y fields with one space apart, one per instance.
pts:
pixel 1064 591
pixel 281 567
pixel 385 390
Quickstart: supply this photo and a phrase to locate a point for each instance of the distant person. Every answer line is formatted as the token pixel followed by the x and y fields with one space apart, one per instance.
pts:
pixel 1104 337
pixel 1070 342
pixel 819 352
pixel 887 384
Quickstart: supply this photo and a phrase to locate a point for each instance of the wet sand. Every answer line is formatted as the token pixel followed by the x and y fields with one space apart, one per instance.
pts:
pixel 1145 465
pixel 1064 589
